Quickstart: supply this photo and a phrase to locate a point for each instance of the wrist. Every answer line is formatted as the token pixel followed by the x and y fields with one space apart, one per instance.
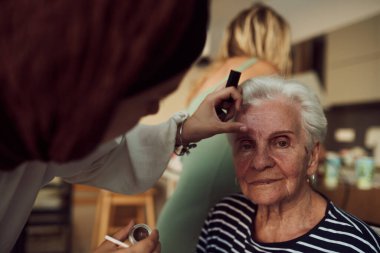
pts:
pixel 183 144
pixel 181 137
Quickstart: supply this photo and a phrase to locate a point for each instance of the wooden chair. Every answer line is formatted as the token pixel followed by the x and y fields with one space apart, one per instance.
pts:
pixel 107 204
pixel 50 219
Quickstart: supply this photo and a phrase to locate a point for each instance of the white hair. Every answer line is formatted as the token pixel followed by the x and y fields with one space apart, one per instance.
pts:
pixel 313 119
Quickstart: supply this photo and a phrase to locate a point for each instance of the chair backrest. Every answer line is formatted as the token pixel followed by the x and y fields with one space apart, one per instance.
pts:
pixel 375 227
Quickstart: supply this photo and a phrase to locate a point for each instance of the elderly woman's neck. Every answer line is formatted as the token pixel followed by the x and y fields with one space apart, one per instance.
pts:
pixel 289 219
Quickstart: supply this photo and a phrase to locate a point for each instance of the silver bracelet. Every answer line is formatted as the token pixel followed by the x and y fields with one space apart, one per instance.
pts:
pixel 184 149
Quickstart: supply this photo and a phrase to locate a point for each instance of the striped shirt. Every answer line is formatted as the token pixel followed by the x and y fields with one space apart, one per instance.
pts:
pixel 228 229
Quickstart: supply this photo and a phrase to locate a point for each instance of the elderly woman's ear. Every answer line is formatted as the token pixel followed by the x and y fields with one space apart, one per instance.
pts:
pixel 314 159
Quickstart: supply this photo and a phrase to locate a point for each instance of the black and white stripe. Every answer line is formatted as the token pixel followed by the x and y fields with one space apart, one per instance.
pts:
pixel 228 229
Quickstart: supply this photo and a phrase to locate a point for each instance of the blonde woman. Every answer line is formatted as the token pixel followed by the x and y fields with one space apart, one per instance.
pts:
pixel 256 43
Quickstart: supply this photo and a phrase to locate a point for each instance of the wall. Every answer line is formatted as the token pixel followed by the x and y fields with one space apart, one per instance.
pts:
pixel 353 63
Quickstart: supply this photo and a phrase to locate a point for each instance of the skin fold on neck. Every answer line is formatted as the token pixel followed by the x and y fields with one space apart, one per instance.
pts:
pixel 289 219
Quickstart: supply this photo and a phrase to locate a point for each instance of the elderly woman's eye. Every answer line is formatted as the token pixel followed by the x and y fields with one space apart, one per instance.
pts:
pixel 282 143
pixel 245 145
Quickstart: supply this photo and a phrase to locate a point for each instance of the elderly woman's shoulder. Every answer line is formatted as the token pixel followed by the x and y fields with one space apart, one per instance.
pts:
pixel 236 201
pixel 349 223
pixel 230 209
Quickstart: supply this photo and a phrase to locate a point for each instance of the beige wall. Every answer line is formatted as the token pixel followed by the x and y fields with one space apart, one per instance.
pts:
pixel 353 63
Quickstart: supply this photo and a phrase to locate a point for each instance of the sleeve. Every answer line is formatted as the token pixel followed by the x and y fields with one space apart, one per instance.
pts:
pixel 128 165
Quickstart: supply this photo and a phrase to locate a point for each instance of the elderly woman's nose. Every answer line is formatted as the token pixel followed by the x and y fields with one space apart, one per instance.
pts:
pixel 262 160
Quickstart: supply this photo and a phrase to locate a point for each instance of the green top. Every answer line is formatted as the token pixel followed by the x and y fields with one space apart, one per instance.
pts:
pixel 207 176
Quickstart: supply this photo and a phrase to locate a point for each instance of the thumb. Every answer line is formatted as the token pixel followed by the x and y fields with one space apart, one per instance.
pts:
pixel 122 234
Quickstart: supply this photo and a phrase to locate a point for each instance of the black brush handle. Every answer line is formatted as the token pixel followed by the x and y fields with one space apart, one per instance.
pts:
pixel 233 80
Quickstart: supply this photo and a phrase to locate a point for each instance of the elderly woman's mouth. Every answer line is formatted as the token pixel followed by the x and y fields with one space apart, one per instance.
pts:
pixel 264 181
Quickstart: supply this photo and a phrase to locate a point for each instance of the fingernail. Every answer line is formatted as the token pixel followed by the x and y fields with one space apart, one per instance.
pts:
pixel 243 129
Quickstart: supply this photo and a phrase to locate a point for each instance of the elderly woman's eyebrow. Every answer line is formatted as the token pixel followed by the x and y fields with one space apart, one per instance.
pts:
pixel 282 132
pixel 242 136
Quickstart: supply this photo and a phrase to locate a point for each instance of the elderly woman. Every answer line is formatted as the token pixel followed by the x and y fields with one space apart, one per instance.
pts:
pixel 278 210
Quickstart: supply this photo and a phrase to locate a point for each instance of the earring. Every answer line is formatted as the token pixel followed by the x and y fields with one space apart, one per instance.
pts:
pixel 312 179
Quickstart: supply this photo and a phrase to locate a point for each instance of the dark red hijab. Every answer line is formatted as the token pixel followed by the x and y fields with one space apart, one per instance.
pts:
pixel 66 64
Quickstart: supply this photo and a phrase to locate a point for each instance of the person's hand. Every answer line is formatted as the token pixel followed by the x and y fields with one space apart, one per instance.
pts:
pixel 205 122
pixel 149 245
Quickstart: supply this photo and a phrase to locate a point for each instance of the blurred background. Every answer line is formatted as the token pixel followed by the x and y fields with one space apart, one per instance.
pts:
pixel 335 50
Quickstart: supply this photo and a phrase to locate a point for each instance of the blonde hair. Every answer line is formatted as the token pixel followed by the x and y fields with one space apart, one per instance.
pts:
pixel 260 32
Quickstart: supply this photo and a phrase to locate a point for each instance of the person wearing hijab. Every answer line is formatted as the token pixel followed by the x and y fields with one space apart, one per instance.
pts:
pixel 75 75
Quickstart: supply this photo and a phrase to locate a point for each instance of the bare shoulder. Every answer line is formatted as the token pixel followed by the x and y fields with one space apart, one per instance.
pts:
pixel 221 69
pixel 260 68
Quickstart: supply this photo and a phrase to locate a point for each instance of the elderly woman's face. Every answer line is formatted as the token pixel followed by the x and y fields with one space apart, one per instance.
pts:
pixel 271 159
